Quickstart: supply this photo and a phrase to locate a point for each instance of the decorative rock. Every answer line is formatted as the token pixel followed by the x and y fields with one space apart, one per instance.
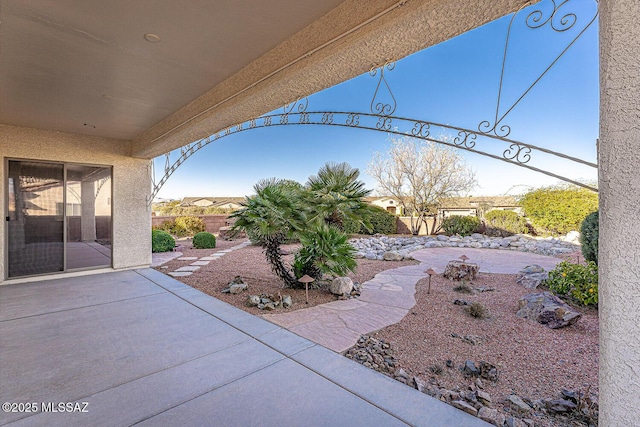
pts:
pixel 488 371
pixel 392 256
pixel 341 286
pixel 484 397
pixel 514 422
pixel 253 300
pixel 547 309
pixel 560 406
pixel 489 415
pixel 462 405
pixel 460 302
pixel 531 276
pixel 470 368
pixel 518 404
pixel 458 270
pixel 270 306
pixel 238 288
pixel 374 247
pixel 419 384
pixel 287 301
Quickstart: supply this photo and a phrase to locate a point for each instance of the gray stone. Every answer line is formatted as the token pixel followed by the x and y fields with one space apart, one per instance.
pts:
pixel 287 301
pixel 489 415
pixel 560 406
pixel 483 396
pixel 270 306
pixel 547 309
pixel 531 276
pixel 237 288
pixel 470 368
pixel 253 300
pixel 341 286
pixel 518 404
pixel 464 406
pixel 514 422
pixel 392 256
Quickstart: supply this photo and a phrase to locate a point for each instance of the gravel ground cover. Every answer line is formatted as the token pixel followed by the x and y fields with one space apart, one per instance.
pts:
pixel 533 362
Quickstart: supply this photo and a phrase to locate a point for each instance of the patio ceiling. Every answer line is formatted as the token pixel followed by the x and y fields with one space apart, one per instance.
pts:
pixel 162 73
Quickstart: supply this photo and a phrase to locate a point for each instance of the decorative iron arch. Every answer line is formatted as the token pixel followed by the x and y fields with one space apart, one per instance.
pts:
pixel 489 140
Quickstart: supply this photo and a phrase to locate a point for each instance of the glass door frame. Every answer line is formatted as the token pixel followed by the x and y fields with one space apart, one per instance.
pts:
pixel 65 222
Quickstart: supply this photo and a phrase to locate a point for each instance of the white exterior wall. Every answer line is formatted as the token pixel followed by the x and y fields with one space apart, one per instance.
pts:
pixel 131 238
pixel 619 183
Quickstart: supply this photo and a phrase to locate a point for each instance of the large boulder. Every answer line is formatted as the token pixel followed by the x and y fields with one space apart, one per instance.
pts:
pixel 341 286
pixel 547 309
pixel 392 256
pixel 531 276
pixel 459 270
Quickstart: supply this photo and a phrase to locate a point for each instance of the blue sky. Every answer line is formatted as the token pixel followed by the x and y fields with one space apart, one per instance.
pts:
pixel 455 83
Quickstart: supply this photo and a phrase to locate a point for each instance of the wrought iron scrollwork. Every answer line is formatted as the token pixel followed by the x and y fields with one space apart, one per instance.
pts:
pixel 518 153
pixel 558 22
pixel 421 129
pixel 327 118
pixel 353 119
pixel 380 104
pixel 465 139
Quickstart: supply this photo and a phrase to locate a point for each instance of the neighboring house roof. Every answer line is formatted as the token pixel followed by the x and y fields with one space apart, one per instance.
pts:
pixel 211 201
pixel 474 202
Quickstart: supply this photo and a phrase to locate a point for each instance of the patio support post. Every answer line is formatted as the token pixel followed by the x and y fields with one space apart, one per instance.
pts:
pixel 619 183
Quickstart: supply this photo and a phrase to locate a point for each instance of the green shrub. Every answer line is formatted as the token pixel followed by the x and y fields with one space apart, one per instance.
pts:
pixel 204 240
pixel 189 225
pixel 325 250
pixel 161 241
pixel 462 225
pixel 558 210
pixel 382 222
pixel 505 223
pixel 589 237
pixel 576 281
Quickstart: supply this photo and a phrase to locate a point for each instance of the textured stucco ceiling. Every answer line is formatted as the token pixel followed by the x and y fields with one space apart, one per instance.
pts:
pixel 86 68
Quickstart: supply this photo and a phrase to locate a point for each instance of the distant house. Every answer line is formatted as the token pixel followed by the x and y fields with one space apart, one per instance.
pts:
pixel 230 203
pixel 388 203
pixel 477 206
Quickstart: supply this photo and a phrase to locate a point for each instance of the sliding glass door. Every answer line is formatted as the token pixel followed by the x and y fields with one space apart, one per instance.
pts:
pixel 59 217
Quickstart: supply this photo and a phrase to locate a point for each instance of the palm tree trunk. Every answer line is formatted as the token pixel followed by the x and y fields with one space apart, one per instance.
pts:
pixel 272 252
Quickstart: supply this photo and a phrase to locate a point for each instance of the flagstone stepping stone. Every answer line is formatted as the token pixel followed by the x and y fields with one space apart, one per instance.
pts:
pixel 191 268
pixel 200 263
pixel 180 273
pixel 187 258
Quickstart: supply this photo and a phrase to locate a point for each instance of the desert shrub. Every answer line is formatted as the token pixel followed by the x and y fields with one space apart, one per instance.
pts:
pixel 189 225
pixel 558 210
pixel 204 240
pixel 575 281
pixel 505 223
pixel 382 222
pixel 463 288
pixel 161 241
pixel 589 237
pixel 305 264
pixel 326 249
pixel 462 225
pixel 476 310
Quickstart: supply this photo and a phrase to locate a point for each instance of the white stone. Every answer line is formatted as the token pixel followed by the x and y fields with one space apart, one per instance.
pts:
pixel 341 286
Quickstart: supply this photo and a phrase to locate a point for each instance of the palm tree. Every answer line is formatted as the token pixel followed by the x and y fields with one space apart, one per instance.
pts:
pixel 270 218
pixel 336 195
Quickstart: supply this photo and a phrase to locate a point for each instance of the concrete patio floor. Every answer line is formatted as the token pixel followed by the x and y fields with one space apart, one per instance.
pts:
pixel 143 348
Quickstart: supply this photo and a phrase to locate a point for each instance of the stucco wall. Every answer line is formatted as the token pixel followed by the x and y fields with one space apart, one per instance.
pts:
pixel 619 182
pixel 131 184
